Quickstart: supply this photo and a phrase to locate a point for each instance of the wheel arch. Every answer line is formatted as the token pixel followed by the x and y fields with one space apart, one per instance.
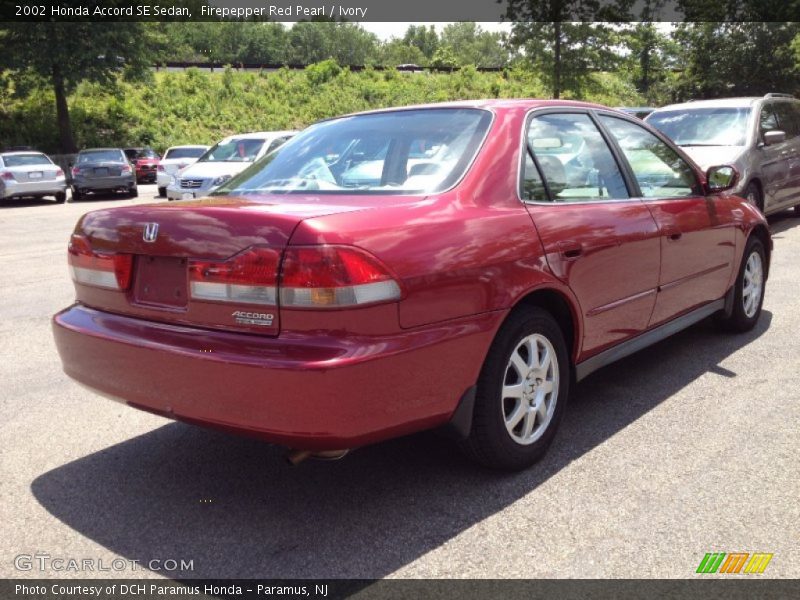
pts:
pixel 564 310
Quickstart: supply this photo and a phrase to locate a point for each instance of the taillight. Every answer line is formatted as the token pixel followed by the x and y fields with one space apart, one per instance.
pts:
pixel 250 277
pixel 8 176
pixel 334 277
pixel 75 171
pixel 126 168
pixel 59 173
pixel 161 168
pixel 106 270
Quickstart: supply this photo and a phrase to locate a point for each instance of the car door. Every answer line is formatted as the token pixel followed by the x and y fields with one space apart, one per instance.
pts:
pixel 697 235
pixel 774 167
pixel 789 154
pixel 600 241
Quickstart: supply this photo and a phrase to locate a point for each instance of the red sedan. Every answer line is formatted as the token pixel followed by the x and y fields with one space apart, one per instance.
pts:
pixel 449 265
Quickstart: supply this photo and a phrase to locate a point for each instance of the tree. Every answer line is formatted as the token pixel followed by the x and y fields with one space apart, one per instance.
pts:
pixel 64 54
pixel 473 46
pixel 424 38
pixel 567 39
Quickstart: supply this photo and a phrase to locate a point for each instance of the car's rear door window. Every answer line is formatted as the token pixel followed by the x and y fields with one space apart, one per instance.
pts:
pixel 577 165
pixel 658 169
pixel 787 119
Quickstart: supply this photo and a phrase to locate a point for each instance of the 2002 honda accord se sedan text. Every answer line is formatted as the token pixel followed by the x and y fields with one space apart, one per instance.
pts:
pixel 393 271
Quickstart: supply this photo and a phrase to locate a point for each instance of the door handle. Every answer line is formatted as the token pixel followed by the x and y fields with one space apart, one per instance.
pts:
pixel 570 250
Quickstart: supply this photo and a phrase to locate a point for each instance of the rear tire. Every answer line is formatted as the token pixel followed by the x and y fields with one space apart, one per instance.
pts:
pixel 748 293
pixel 61 197
pixel 134 192
pixel 162 192
pixel 76 196
pixel 521 393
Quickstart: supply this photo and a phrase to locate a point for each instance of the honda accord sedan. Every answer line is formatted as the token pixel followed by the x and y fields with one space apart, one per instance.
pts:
pixel 31 175
pixel 456 265
pixel 103 170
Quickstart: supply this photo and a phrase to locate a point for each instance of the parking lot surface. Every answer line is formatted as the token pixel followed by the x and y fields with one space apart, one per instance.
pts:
pixel 688 447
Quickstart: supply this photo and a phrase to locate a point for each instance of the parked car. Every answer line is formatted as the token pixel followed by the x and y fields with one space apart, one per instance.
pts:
pixel 102 170
pixel 175 159
pixel 640 112
pixel 760 136
pixel 222 161
pixel 503 249
pixel 32 175
pixel 145 163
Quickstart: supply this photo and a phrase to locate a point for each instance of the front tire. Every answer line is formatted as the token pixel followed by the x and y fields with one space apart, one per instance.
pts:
pixel 521 394
pixel 753 195
pixel 748 293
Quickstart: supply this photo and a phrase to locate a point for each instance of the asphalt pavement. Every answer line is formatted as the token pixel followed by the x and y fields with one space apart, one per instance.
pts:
pixel 688 447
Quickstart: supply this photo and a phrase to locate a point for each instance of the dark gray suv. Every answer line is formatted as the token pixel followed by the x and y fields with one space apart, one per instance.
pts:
pixel 760 136
pixel 102 170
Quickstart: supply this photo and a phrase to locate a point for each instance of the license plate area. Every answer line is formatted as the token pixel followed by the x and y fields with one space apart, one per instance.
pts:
pixel 187 196
pixel 35 175
pixel 101 172
pixel 161 282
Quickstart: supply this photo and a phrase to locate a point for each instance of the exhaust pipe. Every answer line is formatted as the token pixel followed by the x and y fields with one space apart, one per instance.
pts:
pixel 295 457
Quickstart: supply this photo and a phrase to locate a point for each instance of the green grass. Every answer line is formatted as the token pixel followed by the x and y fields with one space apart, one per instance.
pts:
pixel 201 107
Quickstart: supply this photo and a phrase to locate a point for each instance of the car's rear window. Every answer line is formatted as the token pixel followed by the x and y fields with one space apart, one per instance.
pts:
pixel 717 126
pixel 397 152
pixel 23 160
pixel 101 156
pixel 184 153
pixel 234 150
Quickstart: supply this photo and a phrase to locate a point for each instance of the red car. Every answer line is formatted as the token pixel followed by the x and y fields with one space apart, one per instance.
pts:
pixel 383 273
pixel 145 163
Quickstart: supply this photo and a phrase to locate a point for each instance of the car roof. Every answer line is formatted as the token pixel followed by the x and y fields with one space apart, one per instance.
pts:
pixel 487 104
pixel 187 146
pixel 21 152
pixel 259 135
pixel 740 102
pixel 99 150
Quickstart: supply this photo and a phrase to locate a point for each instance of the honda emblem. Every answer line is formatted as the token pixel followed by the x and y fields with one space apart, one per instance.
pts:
pixel 150 232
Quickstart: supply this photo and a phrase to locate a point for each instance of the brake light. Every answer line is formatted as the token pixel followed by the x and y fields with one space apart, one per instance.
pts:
pixel 161 168
pixel 126 168
pixel 106 270
pixel 75 171
pixel 8 176
pixel 250 277
pixel 334 277
pixel 59 173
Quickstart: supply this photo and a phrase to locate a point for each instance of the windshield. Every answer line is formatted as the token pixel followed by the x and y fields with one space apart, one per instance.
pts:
pixel 184 153
pixel 704 126
pixel 234 150
pixel 22 160
pixel 101 156
pixel 408 151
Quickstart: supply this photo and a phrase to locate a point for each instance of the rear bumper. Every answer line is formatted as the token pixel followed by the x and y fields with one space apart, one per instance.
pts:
pixel 309 391
pixel 104 183
pixel 44 188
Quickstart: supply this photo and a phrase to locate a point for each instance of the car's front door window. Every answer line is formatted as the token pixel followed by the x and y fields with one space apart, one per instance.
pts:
pixel 658 169
pixel 574 159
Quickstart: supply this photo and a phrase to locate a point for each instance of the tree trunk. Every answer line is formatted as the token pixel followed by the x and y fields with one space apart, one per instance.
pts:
pixel 67 142
pixel 557 60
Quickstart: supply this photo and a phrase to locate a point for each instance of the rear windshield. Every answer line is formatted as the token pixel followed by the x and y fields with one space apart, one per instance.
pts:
pixel 703 126
pixel 184 153
pixel 399 152
pixel 101 156
pixel 22 160
pixel 134 153
pixel 234 150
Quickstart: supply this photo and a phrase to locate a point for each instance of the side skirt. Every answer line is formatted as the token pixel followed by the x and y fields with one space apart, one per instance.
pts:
pixel 650 337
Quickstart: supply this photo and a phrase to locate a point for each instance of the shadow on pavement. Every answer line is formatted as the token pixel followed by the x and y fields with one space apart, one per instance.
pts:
pixel 232 505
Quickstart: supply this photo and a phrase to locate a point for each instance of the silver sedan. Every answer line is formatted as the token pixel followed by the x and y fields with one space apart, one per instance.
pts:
pixel 31 174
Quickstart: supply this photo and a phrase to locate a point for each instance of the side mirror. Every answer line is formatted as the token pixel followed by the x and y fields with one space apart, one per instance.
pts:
pixel 721 178
pixel 774 137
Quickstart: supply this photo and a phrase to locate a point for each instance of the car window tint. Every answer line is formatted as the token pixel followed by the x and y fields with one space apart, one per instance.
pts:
pixel 787 119
pixel 658 169
pixel 278 142
pixel 576 162
pixel 767 120
pixel 101 156
pixel 22 160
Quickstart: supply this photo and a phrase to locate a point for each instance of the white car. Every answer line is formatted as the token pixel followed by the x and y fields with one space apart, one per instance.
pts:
pixel 175 159
pixel 222 161
pixel 31 174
